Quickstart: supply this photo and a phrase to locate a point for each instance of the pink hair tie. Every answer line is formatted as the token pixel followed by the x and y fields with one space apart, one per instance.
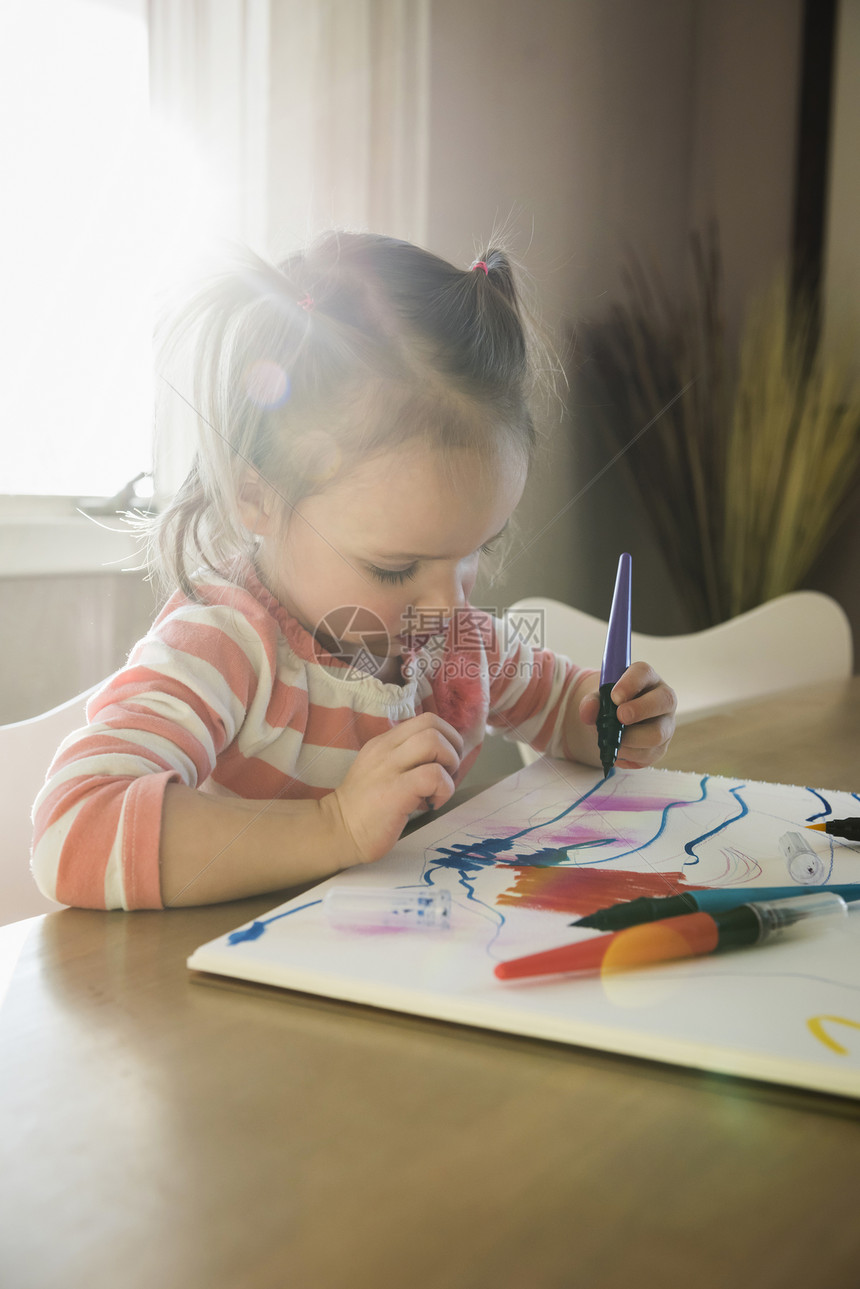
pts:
pixel 306 302
pixel 480 264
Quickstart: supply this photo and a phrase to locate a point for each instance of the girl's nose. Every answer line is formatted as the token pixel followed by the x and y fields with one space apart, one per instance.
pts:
pixel 443 592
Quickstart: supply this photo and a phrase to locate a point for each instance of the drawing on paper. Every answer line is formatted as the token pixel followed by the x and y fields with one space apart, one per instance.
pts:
pixel 555 842
pixel 615 841
pixel 816 1025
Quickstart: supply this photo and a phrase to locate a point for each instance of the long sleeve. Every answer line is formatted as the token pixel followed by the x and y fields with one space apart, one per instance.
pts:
pixel 531 691
pixel 166 717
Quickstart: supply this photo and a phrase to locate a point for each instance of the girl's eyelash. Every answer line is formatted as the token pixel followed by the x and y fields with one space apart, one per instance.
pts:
pixel 397 576
pixel 394 577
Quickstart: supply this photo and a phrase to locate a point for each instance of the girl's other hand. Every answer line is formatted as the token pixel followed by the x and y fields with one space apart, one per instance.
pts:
pixel 394 774
pixel 646 708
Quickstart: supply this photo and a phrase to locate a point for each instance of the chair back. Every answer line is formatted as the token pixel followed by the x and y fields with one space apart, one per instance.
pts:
pixel 796 639
pixel 26 750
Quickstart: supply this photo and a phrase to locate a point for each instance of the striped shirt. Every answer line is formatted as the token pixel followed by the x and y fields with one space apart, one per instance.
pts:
pixel 233 696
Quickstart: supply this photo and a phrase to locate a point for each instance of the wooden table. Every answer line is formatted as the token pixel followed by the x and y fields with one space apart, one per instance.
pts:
pixel 809 736
pixel 159 1133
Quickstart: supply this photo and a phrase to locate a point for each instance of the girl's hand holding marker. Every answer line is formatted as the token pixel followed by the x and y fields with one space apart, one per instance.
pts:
pixel 627 695
pixel 646 710
pixel 318 673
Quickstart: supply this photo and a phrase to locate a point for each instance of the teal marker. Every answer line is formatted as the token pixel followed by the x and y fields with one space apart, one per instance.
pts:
pixel 716 900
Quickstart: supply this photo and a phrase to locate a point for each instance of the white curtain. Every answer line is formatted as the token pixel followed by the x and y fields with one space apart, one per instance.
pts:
pixel 304 114
pixel 309 112
pixel 209 86
pixel 348 127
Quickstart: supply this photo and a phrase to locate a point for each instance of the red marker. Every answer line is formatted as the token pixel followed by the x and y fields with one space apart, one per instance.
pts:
pixel 689 936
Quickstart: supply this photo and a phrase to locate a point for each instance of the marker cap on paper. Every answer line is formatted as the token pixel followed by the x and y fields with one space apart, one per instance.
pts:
pixel 404 908
pixel 804 865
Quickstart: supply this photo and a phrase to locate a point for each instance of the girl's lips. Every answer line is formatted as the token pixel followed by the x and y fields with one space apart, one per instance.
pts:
pixel 413 641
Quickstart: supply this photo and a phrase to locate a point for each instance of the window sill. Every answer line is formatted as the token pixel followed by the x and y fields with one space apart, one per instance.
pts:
pixel 45 545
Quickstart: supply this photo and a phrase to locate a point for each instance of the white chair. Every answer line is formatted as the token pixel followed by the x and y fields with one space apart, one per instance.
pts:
pixel 795 639
pixel 26 750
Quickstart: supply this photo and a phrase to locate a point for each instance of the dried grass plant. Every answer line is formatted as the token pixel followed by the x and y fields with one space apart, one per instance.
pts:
pixel 747 476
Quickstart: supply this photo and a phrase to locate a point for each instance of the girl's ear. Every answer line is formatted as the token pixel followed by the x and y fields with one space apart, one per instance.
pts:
pixel 257 504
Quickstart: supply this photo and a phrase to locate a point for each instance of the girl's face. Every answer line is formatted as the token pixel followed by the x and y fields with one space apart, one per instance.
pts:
pixel 399 536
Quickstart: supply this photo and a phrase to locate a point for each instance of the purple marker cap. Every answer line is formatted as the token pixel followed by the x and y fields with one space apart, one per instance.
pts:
pixel 616 655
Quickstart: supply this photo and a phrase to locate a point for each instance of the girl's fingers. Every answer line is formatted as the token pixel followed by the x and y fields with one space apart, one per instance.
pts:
pixel 408 729
pixel 639 678
pixel 425 748
pixel 649 739
pixel 658 703
pixel 641 695
pixel 428 784
pixel 646 708
pixel 375 805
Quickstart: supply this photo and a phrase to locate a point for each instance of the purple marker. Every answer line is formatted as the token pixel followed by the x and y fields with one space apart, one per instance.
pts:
pixel 616 660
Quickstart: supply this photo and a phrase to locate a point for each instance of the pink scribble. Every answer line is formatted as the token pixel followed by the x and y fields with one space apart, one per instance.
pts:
pixel 603 805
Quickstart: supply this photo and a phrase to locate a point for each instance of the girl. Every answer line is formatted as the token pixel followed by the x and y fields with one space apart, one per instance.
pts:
pixel 318 676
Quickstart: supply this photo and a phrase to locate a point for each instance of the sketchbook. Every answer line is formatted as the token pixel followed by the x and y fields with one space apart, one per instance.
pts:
pixel 554 842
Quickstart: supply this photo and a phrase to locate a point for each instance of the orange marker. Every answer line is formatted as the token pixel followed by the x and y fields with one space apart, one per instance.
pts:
pixel 689 936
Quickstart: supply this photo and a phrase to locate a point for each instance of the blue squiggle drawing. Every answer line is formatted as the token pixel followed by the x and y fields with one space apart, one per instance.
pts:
pixel 821 813
pixel 483 853
pixel 468 859
pixel 664 819
pixel 552 856
pixel 829 873
pixel 744 810
pixel 256 929
pixel 547 823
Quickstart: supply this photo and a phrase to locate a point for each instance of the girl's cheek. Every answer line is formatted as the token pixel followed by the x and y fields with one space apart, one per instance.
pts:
pixel 395 616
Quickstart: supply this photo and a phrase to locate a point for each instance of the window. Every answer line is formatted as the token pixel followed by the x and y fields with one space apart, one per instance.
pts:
pixel 106 202
pixel 73 143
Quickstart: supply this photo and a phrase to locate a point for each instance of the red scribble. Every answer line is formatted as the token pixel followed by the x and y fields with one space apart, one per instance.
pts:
pixel 739 868
pixel 585 890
